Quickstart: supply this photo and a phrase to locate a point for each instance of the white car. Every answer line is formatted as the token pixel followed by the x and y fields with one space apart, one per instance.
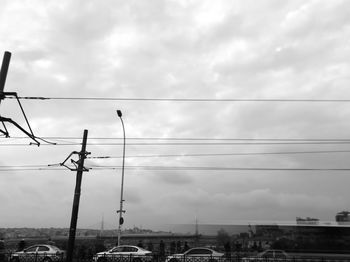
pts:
pixel 197 254
pixel 268 255
pixel 39 253
pixel 134 253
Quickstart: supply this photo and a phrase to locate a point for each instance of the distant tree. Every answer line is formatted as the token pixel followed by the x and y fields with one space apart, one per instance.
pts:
pixel 178 246
pixel 222 237
pixel 21 245
pixel 172 247
pixel 2 250
pixel 150 246
pixel 99 246
pixel 283 243
pixel 161 249
pixel 82 252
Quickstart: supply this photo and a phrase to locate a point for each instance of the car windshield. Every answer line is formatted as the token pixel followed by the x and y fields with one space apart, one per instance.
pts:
pixel 116 249
pixel 129 249
pixel 142 249
pixel 55 248
pixel 43 249
pixel 199 251
pixel 31 249
pixel 280 254
pixel 272 254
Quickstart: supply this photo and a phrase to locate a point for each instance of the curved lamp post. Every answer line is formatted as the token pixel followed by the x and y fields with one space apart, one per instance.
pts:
pixel 120 211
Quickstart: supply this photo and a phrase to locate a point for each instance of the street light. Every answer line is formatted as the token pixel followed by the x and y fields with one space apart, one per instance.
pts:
pixel 120 211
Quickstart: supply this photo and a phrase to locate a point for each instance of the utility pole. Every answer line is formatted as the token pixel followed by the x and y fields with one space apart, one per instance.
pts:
pixel 75 209
pixel 3 73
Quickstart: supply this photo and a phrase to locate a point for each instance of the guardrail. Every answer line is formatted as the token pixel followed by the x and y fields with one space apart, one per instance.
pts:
pixel 123 258
pixel 31 257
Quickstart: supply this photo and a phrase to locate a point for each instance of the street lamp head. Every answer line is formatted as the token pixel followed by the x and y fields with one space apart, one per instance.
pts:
pixel 119 113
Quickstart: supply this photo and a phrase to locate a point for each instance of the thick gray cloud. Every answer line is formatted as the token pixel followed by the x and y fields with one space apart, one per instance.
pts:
pixel 177 49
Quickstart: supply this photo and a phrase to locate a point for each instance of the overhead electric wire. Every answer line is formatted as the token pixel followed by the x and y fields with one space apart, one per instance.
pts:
pixel 177 168
pixel 195 141
pixel 9 166
pixel 29 169
pixel 188 143
pixel 203 168
pixel 67 138
pixel 187 99
pixel 50 166
pixel 225 154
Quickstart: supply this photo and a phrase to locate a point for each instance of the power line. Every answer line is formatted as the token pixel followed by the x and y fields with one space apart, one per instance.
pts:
pixel 188 143
pixel 187 99
pixel 226 154
pixel 179 168
pixel 56 167
pixel 192 138
pixel 25 166
pixel 203 168
pixel 29 169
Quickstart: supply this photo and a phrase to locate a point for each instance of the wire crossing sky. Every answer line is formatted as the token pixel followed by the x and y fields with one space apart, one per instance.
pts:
pixel 189 99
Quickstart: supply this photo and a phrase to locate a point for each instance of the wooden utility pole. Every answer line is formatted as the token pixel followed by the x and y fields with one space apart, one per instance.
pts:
pixel 75 209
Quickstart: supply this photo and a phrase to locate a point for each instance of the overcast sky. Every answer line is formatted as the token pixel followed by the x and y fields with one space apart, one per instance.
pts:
pixel 176 50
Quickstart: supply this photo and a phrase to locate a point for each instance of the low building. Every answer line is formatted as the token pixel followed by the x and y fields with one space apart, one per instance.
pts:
pixel 343 218
pixel 307 221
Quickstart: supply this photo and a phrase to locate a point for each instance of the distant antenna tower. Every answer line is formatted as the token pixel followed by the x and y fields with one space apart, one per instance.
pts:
pixel 102 226
pixel 196 238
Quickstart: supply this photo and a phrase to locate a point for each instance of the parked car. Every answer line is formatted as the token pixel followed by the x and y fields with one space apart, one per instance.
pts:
pixel 39 253
pixel 268 255
pixel 202 254
pixel 134 253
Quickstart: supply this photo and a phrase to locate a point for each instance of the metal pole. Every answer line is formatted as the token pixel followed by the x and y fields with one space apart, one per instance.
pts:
pixel 120 211
pixel 75 209
pixel 3 72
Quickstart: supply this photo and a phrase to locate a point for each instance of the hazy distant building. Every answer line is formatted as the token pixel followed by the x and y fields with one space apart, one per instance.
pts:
pixel 307 221
pixel 343 218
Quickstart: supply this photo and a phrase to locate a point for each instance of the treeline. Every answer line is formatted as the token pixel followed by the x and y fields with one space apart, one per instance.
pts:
pixel 16 233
